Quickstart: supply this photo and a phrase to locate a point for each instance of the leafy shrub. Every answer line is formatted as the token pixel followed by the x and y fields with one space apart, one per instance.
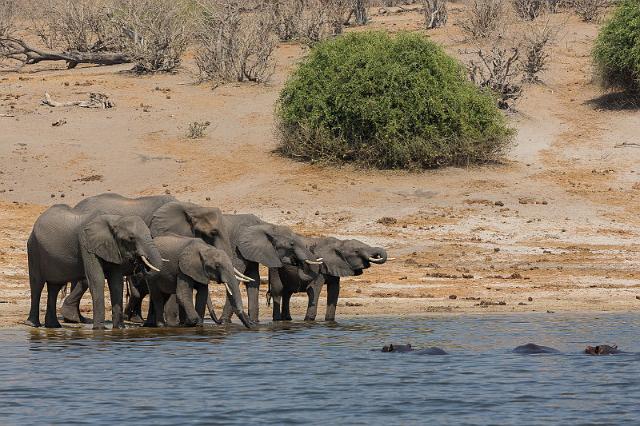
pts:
pixel 387 102
pixel 617 48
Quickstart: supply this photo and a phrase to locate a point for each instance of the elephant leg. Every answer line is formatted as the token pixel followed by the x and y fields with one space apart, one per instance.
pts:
pixel 172 311
pixel 95 276
pixel 253 291
pixel 333 291
pixel 50 319
pixel 286 312
pixel 313 293
pixel 184 294
pixel 36 285
pixel 71 306
pixel 116 282
pixel 202 294
pixel 155 318
pixel 275 288
pixel 137 293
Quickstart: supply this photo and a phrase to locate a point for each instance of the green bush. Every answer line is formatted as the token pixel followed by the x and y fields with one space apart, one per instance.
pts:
pixel 617 49
pixel 387 102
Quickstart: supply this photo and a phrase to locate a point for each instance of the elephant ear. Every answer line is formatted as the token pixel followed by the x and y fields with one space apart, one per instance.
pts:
pixel 192 264
pixel 334 262
pixel 171 219
pixel 255 244
pixel 99 239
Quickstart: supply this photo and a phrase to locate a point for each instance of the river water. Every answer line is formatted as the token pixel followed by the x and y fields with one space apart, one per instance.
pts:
pixel 321 373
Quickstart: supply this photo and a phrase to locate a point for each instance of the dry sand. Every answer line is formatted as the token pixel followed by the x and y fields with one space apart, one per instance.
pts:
pixel 553 228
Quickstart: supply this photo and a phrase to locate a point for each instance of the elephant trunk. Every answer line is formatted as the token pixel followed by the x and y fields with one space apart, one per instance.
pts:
pixel 377 255
pixel 233 290
pixel 149 254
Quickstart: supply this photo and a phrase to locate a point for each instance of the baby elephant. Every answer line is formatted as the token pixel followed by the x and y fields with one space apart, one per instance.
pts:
pixel 190 264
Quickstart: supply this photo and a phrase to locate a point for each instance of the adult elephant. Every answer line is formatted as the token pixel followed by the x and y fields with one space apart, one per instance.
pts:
pixel 254 242
pixel 68 245
pixel 164 215
pixel 341 258
pixel 190 265
pixel 109 203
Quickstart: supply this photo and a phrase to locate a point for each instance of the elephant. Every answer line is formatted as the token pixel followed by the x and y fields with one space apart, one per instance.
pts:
pixel 190 264
pixel 68 245
pixel 532 349
pixel 109 203
pixel 255 242
pixel 341 258
pixel 164 215
pixel 247 240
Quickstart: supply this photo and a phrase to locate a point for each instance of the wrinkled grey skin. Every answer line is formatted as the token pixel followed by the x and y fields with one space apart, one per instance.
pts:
pixel 68 245
pixel 341 258
pixel 109 203
pixel 187 220
pixel 532 349
pixel 254 242
pixel 189 265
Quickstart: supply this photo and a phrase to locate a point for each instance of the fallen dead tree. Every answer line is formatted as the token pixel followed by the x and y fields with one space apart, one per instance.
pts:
pixel 96 100
pixel 19 50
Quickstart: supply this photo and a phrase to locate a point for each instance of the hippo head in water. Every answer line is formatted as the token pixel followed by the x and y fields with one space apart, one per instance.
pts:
pixel 532 348
pixel 397 348
pixel 601 350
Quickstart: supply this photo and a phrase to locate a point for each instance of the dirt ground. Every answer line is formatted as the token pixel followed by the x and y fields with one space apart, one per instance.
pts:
pixel 554 228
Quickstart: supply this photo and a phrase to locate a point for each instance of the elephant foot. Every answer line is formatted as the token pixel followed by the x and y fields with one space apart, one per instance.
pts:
pixel 33 322
pixel 52 324
pixel 118 326
pixel 99 327
pixel 70 314
pixel 309 319
pixel 137 319
pixel 85 320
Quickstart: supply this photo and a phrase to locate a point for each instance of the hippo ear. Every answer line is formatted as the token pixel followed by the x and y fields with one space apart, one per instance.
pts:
pixel 191 263
pixel 171 218
pixel 98 238
pixel 256 244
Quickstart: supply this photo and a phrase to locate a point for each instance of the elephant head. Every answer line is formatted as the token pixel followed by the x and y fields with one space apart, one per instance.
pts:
pixel 275 246
pixel 204 263
pixel 121 239
pixel 344 258
pixel 188 219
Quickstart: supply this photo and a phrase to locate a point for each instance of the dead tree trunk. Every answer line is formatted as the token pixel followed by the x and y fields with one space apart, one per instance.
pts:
pixel 360 12
pixel 20 51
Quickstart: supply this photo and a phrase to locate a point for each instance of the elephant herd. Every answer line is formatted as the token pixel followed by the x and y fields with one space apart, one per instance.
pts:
pixel 168 248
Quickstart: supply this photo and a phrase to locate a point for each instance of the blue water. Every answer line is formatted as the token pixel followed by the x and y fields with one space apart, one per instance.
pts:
pixel 326 373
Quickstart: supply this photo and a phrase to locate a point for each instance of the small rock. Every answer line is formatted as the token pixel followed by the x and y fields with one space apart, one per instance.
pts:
pixel 166 191
pixel 522 304
pixel 53 195
pixel 353 304
pixel 467 276
pixel 208 198
pixel 638 297
pixel 530 299
pixel 317 213
pixel 404 277
pixel 499 203
pixel 453 297
pixel 358 291
pixel 496 249
pixel 62 195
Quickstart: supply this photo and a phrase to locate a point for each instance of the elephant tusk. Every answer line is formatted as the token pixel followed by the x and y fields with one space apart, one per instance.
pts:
pixel 314 262
pixel 228 289
pixel 165 260
pixel 149 265
pixel 243 276
pixel 389 259
pixel 245 279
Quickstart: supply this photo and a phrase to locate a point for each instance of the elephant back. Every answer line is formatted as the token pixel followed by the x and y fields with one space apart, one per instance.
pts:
pixel 109 203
